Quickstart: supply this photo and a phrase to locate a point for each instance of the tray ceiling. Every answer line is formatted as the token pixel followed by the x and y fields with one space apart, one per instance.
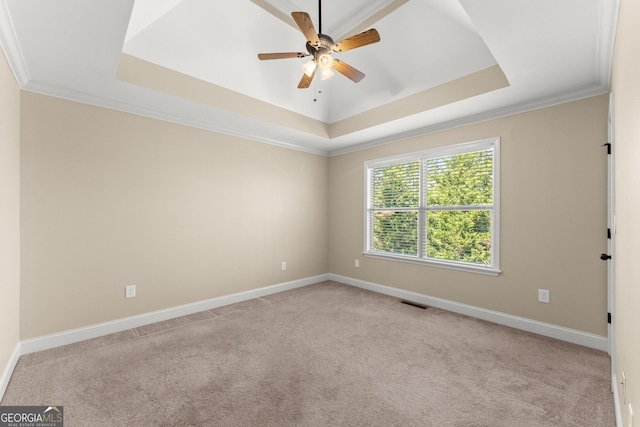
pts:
pixel 439 63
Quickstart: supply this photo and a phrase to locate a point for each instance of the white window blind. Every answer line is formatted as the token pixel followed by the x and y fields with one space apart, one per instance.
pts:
pixel 437 207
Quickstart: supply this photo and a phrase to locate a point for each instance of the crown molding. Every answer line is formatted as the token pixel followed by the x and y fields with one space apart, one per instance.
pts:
pixel 9 44
pixel 498 113
pixel 99 101
pixel 63 93
pixel 609 12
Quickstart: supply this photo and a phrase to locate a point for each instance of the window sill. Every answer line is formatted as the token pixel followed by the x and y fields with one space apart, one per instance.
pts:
pixel 451 265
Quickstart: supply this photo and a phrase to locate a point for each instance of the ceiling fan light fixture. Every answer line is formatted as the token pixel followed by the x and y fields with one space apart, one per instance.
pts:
pixel 325 61
pixel 309 67
pixel 320 46
pixel 327 73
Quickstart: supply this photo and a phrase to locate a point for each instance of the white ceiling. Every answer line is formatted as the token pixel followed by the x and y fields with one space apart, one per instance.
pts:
pixel 550 51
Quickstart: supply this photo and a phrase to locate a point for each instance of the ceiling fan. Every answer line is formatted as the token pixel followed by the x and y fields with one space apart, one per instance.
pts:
pixel 321 46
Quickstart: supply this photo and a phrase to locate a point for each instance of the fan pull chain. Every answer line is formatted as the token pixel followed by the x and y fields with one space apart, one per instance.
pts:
pixel 316 91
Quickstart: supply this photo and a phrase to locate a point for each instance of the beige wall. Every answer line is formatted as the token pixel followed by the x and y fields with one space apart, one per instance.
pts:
pixel 553 218
pixel 9 212
pixel 110 199
pixel 626 88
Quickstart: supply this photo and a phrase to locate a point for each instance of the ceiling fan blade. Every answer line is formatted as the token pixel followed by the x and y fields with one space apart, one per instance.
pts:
pixel 359 40
pixel 282 55
pixel 305 81
pixel 347 70
pixel 306 26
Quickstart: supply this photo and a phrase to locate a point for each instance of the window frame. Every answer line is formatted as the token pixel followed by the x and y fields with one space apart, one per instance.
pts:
pixel 422 156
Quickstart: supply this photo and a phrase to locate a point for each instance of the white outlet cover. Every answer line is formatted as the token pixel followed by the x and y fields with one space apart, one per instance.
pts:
pixel 130 291
pixel 543 296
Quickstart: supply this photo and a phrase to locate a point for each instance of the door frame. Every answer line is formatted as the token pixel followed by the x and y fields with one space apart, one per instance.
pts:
pixel 611 224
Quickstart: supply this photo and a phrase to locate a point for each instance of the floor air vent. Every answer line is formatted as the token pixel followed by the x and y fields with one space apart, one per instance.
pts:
pixel 414 304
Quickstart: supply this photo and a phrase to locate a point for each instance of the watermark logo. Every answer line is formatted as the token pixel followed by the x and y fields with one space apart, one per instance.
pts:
pixel 31 416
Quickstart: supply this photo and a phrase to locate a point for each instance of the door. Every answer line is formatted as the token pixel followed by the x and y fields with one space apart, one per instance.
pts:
pixel 611 234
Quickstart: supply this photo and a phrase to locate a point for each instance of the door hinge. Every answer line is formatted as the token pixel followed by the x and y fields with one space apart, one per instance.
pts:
pixel 608 145
pixel 605 257
pixel 609 233
pixel 609 318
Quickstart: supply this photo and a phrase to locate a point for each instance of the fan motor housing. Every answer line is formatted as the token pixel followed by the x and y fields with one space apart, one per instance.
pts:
pixel 325 45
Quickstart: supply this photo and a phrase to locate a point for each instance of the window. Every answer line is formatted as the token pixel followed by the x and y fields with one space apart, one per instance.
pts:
pixel 437 207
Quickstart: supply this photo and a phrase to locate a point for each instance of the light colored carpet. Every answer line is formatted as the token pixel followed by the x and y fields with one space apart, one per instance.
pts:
pixel 323 355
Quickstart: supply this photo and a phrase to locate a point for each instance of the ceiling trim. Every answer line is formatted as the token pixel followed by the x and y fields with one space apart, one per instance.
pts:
pixel 11 48
pixel 474 84
pixel 63 93
pixel 156 77
pixel 103 102
pixel 284 135
pixel 606 38
pixel 499 113
pixel 146 74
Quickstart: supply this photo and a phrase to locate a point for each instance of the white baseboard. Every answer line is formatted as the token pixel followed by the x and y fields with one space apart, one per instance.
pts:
pixel 8 370
pixel 565 334
pixel 94 331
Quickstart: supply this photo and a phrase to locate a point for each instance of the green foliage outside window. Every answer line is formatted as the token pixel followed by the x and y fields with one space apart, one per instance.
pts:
pixel 396 232
pixel 459 236
pixel 396 186
pixel 457 222
pixel 460 180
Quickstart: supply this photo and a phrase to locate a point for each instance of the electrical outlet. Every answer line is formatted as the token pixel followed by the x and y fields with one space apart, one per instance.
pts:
pixel 543 296
pixel 284 265
pixel 357 263
pixel 130 291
